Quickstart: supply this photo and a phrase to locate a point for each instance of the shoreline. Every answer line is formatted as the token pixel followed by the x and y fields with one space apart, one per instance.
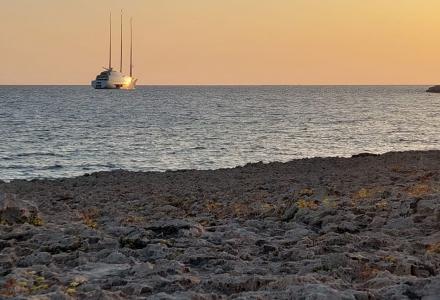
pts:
pixel 365 227
pixel 87 174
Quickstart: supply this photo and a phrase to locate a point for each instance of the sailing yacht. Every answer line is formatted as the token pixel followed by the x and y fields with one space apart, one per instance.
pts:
pixel 112 79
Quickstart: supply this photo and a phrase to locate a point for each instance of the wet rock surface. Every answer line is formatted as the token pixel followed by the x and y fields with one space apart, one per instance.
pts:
pixel 366 227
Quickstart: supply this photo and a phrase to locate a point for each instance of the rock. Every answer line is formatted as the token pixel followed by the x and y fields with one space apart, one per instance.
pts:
pixel 116 258
pixel 229 285
pixel 194 231
pixel 290 213
pixel 364 155
pixel 168 228
pixel 17 211
pixel 134 239
pixel 153 252
pixel 329 228
pixel 428 206
pixel 431 291
pixel 300 232
pixel 98 271
pixel 39 258
pixel 142 269
pixel 320 292
pixel 400 224
pixel 299 292
pixel 381 280
pixel 100 294
pixel 434 89
pixel 378 222
pixel 6 265
pixel 4 244
pixel 59 243
pixel 400 291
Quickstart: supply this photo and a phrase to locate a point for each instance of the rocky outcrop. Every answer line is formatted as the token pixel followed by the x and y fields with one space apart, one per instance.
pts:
pixel 434 89
pixel 365 227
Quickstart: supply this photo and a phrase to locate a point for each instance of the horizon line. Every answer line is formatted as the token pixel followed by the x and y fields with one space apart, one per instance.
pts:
pixel 228 84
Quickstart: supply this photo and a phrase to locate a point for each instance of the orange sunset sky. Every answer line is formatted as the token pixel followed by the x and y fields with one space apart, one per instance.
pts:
pixel 225 41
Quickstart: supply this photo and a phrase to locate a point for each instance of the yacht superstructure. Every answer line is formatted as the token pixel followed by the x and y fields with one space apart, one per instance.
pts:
pixel 110 78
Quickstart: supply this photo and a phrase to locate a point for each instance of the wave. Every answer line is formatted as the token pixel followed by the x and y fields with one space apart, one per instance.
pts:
pixel 30 154
pixel 88 167
pixel 53 167
pixel 32 167
pixel 27 154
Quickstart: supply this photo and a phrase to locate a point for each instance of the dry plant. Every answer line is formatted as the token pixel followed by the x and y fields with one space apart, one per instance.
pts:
pixel 363 193
pixel 368 272
pixel 133 220
pixel 89 217
pixel 307 204
pixel 419 190
pixel 434 248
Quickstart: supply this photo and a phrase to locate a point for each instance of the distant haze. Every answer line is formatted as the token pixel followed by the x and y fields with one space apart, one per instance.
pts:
pixel 224 41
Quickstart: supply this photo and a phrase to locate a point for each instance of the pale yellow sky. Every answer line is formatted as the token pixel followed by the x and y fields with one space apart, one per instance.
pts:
pixel 225 41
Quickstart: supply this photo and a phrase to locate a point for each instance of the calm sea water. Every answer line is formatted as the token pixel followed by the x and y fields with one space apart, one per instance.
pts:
pixel 68 131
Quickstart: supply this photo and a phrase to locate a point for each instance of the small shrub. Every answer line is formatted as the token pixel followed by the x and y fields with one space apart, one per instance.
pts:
pixel 35 284
pixel 307 204
pixel 390 259
pixel 363 193
pixel 419 190
pixel 36 221
pixel 329 203
pixel 212 206
pixel 240 209
pixel 434 248
pixel 368 272
pixel 89 218
pixel 38 284
pixel 9 288
pixel 71 289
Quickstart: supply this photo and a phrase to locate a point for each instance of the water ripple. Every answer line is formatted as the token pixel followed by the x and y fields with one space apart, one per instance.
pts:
pixel 67 131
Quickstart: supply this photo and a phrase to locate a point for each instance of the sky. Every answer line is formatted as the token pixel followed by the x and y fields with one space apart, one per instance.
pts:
pixel 224 41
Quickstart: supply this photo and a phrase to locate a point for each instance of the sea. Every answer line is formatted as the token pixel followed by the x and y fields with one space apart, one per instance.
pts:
pixel 66 131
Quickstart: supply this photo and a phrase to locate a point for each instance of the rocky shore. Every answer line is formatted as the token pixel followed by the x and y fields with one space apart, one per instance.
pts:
pixel 434 89
pixel 366 227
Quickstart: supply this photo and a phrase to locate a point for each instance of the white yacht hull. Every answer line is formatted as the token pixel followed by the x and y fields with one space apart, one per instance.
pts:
pixel 108 85
pixel 110 79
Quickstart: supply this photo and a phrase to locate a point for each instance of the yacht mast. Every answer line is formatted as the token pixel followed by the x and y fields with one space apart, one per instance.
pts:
pixel 110 52
pixel 120 69
pixel 131 47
